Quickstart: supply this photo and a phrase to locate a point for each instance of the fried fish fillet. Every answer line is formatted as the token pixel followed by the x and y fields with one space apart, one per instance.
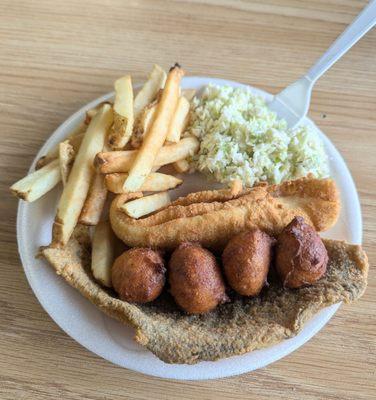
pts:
pixel 237 327
pixel 213 217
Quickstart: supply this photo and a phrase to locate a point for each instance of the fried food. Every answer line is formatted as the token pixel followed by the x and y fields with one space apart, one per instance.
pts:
pixel 301 257
pixel 146 205
pixel 212 218
pixel 156 82
pixel 102 253
pixel 155 182
pixel 181 166
pixel 94 202
pixel 179 120
pixel 38 183
pixel 246 260
pixel 142 124
pixel 195 279
pixel 156 135
pixel 77 187
pixel 122 127
pixel 66 158
pixel 138 275
pixel 74 138
pixel 121 161
pixel 234 328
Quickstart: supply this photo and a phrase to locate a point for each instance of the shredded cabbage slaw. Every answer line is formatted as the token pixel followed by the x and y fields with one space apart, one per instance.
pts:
pixel 241 138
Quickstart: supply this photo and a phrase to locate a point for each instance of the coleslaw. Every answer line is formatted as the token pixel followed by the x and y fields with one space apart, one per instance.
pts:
pixel 240 138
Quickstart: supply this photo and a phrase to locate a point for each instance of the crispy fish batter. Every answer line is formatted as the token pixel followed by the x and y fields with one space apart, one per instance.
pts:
pixel 243 325
pixel 213 217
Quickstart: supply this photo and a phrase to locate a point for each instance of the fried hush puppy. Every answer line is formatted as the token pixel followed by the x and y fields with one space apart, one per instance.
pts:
pixel 301 257
pixel 138 275
pixel 195 279
pixel 246 260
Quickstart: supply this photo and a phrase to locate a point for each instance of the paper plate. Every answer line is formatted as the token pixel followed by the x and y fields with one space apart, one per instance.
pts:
pixel 112 340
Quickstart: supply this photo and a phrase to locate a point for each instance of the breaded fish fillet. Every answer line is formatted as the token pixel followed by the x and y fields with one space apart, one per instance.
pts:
pixel 213 217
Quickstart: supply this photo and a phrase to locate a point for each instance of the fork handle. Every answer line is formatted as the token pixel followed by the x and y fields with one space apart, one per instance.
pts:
pixel 359 27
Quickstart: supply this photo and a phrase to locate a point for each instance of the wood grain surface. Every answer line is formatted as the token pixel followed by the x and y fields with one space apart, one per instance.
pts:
pixel 56 56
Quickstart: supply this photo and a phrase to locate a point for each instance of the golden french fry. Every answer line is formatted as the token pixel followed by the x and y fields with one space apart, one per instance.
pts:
pixel 48 158
pixel 149 91
pixel 96 198
pixel 76 141
pixel 75 138
pixel 76 190
pixel 120 199
pixel 52 154
pixel 143 123
pixel 38 183
pixel 155 182
pixel 156 135
pixel 66 158
pixel 146 205
pixel 181 166
pixel 122 127
pixel 189 94
pixel 179 120
pixel 121 161
pixel 94 202
pixel 103 253
pixel 90 114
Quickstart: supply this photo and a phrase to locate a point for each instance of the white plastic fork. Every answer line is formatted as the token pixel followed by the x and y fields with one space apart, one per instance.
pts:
pixel 293 102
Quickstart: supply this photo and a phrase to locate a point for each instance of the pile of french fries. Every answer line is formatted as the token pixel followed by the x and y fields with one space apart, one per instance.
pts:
pixel 118 148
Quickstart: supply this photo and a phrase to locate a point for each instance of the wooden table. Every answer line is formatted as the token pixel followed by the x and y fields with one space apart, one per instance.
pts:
pixel 57 56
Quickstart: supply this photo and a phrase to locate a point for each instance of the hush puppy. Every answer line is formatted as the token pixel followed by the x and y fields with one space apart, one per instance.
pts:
pixel 195 279
pixel 246 260
pixel 138 275
pixel 301 257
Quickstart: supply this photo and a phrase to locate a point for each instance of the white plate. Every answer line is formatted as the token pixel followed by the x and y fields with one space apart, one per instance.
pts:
pixel 112 340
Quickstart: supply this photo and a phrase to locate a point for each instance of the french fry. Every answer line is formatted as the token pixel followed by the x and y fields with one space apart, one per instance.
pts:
pixel 156 135
pixel 120 199
pixel 90 114
pixel 75 137
pixel 146 205
pixel 52 154
pixel 103 253
pixel 143 123
pixel 38 183
pixel 122 127
pixel 181 166
pixel 66 158
pixel 189 94
pixel 96 199
pixel 155 182
pixel 76 141
pixel 121 161
pixel 76 190
pixel 179 120
pixel 149 91
pixel 94 202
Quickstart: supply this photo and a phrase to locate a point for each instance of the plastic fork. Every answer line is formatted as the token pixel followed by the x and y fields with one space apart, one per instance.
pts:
pixel 293 102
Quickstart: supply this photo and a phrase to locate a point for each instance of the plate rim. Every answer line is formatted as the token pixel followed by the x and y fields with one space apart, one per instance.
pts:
pixel 164 373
